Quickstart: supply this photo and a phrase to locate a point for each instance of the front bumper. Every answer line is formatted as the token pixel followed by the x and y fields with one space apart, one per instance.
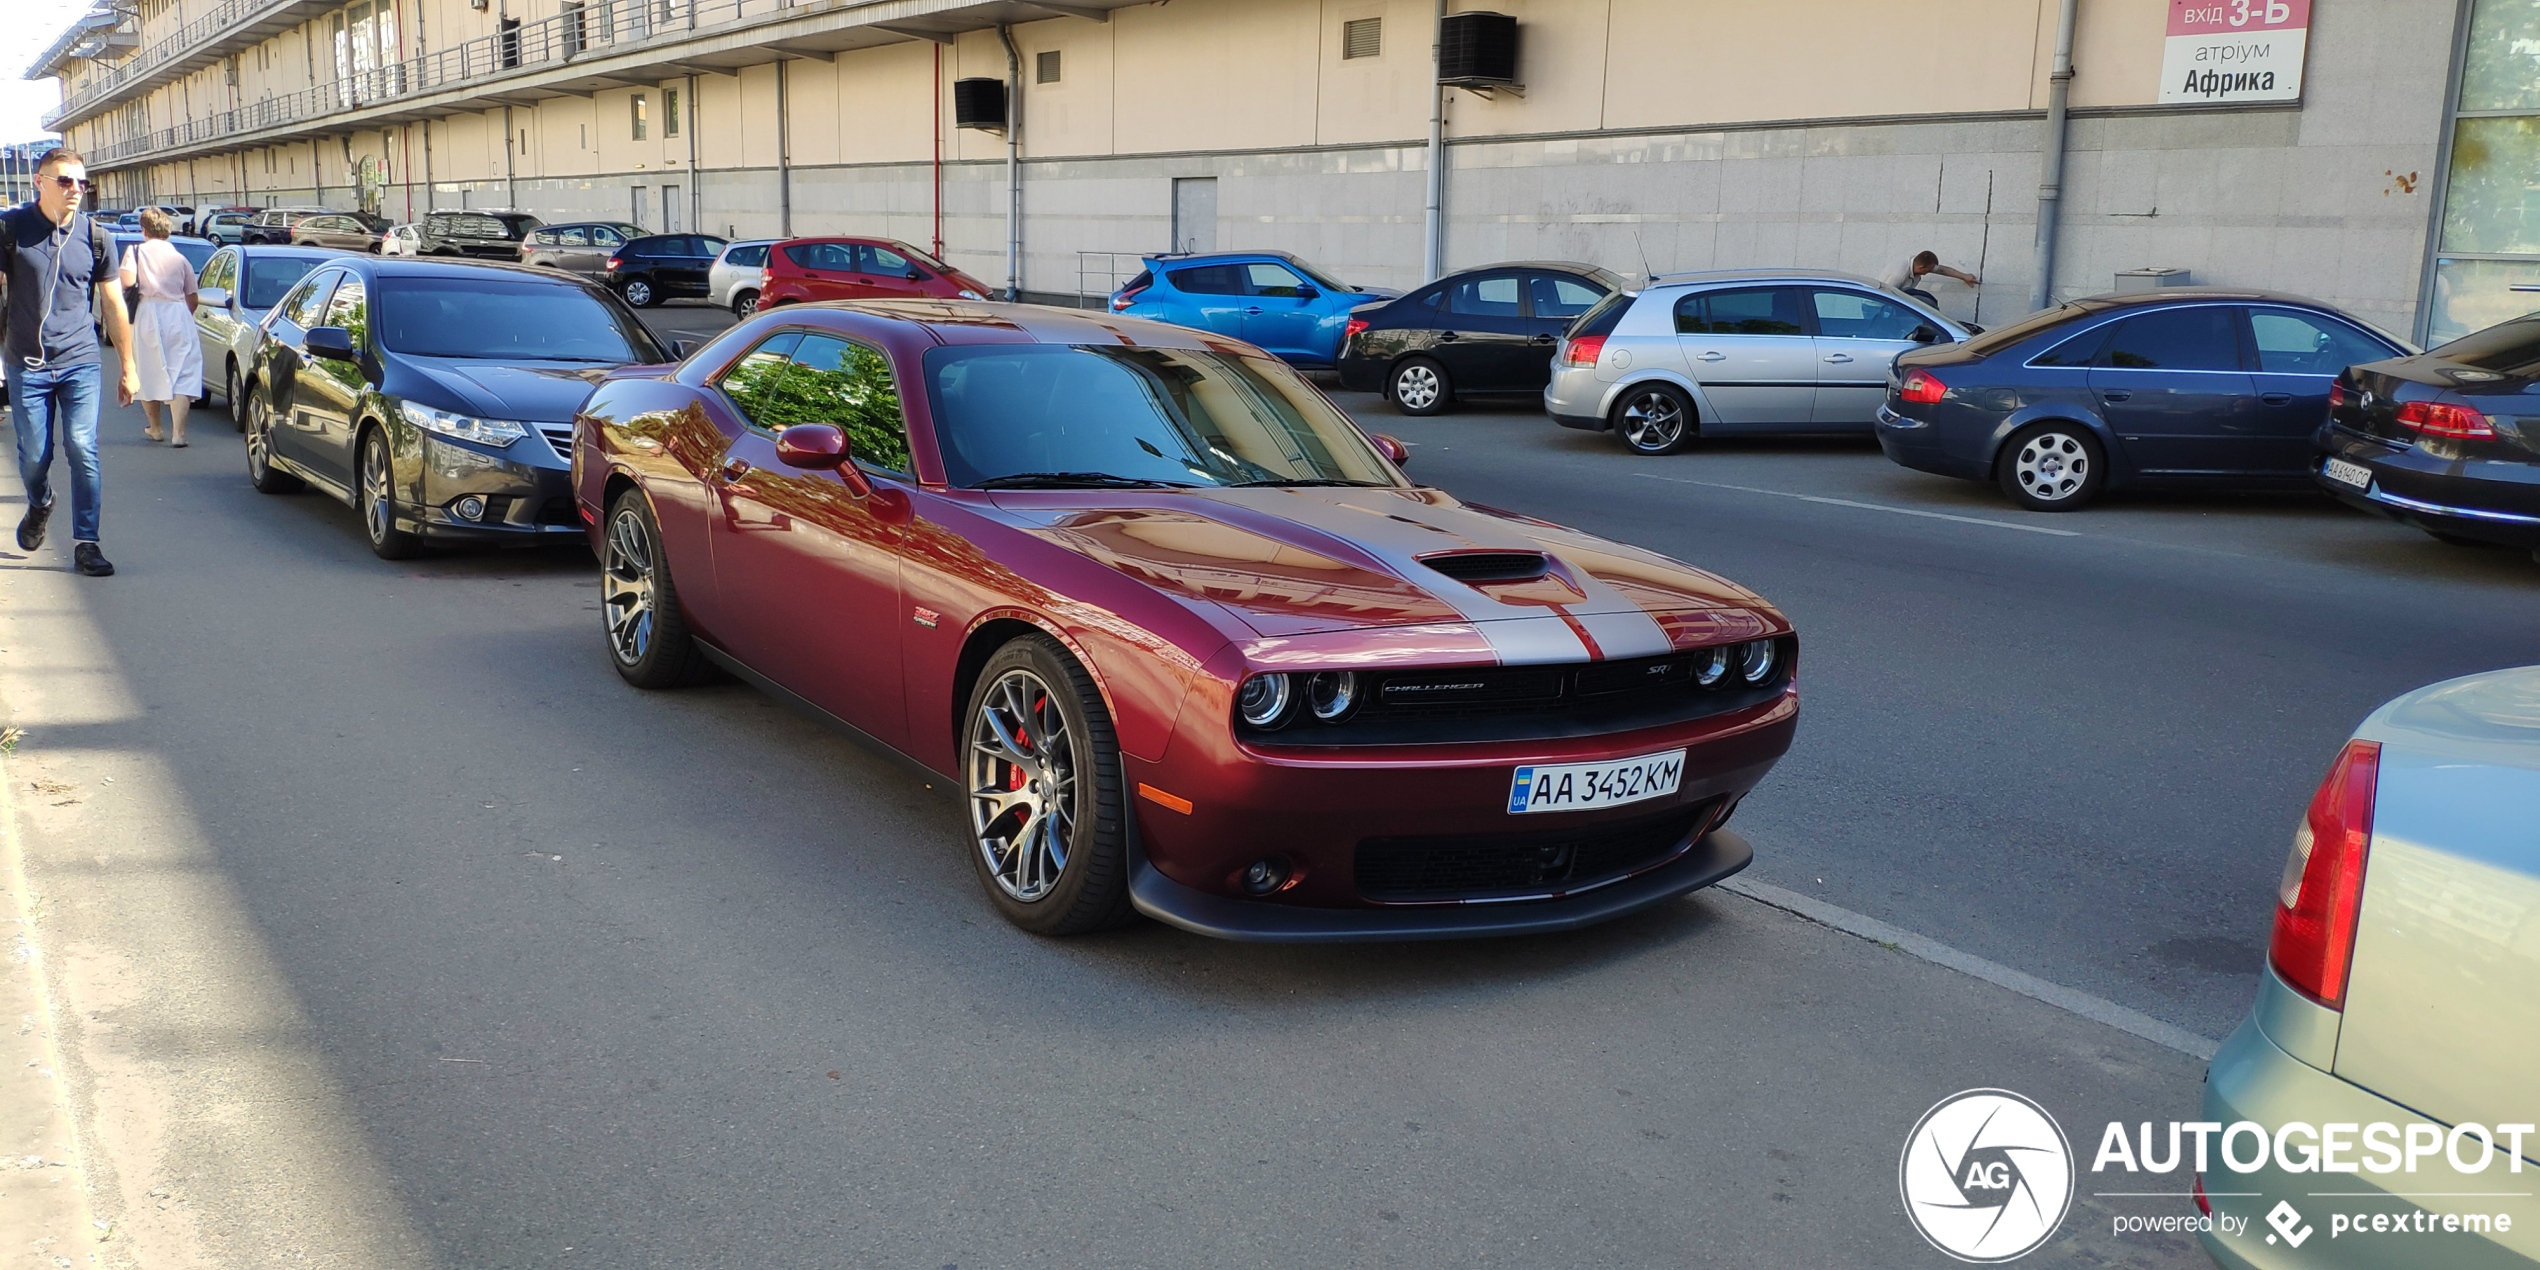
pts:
pixel 1714 856
pixel 2490 500
pixel 2253 1079
pixel 525 499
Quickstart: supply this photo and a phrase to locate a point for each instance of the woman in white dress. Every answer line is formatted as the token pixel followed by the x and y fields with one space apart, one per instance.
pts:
pixel 166 349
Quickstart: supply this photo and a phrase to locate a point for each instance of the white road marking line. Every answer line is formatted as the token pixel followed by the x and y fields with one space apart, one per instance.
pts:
pixel 2095 1009
pixel 1871 507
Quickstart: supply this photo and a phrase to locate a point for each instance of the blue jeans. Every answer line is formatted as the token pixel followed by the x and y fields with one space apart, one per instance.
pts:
pixel 36 399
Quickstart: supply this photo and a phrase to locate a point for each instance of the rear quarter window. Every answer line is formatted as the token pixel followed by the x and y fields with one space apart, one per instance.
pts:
pixel 1603 316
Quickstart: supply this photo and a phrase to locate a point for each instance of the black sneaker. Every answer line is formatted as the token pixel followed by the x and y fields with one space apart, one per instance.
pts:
pixel 31 529
pixel 91 561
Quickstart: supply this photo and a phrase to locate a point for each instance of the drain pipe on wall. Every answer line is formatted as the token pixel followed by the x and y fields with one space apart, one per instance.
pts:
pixel 939 152
pixel 2050 188
pixel 1013 166
pixel 784 160
pixel 1433 243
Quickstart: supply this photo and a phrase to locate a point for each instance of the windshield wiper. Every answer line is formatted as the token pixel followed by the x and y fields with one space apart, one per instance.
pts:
pixel 1074 480
pixel 1310 480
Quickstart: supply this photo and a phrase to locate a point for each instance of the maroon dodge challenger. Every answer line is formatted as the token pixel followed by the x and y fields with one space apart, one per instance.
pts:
pixel 1180 638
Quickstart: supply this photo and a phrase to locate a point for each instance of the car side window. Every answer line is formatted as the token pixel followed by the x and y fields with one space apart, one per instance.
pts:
pixel 1744 311
pixel 849 384
pixel 822 257
pixel 1273 280
pixel 2198 338
pixel 748 257
pixel 1555 296
pixel 1858 315
pixel 883 260
pixel 216 274
pixel 1210 280
pixel 2291 342
pixel 754 383
pixel 1489 295
pixel 572 238
pixel 302 306
pixel 602 236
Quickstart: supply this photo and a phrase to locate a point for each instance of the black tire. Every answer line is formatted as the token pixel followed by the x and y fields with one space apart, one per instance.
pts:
pixel 1419 386
pixel 2052 467
pixel 745 305
pixel 648 636
pixel 375 497
pixel 229 394
pixel 640 293
pixel 261 472
pixel 1654 419
pixel 1067 749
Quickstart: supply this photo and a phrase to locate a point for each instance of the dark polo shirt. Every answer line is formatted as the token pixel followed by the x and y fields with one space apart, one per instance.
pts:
pixel 34 247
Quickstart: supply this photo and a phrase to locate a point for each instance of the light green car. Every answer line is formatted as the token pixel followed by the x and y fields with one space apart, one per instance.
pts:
pixel 2397 1028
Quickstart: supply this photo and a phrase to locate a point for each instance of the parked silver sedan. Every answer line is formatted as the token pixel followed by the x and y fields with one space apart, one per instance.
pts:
pixel 1736 351
pixel 2391 1066
pixel 238 286
pixel 734 280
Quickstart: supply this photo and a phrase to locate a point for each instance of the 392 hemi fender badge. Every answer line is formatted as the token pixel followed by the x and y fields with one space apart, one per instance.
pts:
pixel 925 617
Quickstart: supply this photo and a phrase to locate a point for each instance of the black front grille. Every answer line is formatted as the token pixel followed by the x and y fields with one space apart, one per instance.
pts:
pixel 1504 865
pixel 1510 703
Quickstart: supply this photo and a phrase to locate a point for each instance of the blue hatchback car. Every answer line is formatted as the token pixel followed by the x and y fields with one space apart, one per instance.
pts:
pixel 1268 298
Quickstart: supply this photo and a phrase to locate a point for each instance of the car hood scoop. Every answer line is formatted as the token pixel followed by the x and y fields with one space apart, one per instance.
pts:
pixel 1296 561
pixel 531 393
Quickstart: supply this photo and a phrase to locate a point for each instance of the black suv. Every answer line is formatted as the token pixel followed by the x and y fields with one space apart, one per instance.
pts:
pixel 492 235
pixel 652 269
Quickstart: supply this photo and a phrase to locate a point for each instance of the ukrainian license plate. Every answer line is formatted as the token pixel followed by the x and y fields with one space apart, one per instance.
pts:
pixel 2345 473
pixel 1582 786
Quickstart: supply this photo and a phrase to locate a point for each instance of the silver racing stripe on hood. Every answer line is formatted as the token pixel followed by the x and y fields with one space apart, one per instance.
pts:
pixel 1521 634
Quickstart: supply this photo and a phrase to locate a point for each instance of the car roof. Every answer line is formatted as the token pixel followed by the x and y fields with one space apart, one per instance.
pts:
pixel 1702 277
pixel 996 322
pixel 1178 259
pixel 425 267
pixel 2178 295
pixel 277 251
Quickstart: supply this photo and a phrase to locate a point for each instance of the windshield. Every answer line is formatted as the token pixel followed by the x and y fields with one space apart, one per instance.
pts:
pixel 495 320
pixel 268 277
pixel 1321 279
pixel 1058 415
pixel 2043 319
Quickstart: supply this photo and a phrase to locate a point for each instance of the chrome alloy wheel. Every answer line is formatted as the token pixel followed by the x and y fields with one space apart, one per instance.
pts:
pixel 378 513
pixel 1022 772
pixel 1653 421
pixel 1416 386
pixel 259 445
pixel 2052 466
pixel 626 587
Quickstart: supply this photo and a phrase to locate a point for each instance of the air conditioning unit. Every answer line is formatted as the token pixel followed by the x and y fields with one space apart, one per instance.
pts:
pixel 1478 51
pixel 979 103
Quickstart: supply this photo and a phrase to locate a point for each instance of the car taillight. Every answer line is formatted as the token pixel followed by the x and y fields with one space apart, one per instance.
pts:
pixel 2442 419
pixel 1351 331
pixel 1128 295
pixel 2336 395
pixel 1921 387
pixel 612 265
pixel 2323 882
pixel 1583 350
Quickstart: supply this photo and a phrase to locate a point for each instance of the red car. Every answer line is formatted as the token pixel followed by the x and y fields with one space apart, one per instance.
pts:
pixel 1178 637
pixel 802 270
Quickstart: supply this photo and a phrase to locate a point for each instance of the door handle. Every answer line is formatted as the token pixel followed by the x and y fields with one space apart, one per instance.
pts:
pixel 1838 357
pixel 735 469
pixel 1712 357
pixel 1541 339
pixel 2276 398
pixel 1254 309
pixel 2112 394
pixel 1447 337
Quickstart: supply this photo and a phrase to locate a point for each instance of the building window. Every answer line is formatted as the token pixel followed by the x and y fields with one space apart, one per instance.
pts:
pixel 570 30
pixel 2487 249
pixel 1045 67
pixel 1364 37
pixel 586 136
pixel 670 112
pixel 635 115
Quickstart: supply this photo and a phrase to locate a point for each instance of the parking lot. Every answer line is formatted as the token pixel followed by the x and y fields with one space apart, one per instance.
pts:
pixel 430 943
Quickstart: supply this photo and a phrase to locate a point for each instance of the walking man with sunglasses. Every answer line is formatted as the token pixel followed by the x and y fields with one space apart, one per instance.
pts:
pixel 59 271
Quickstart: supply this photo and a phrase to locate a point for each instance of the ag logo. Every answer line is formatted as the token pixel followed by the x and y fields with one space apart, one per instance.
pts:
pixel 1987 1175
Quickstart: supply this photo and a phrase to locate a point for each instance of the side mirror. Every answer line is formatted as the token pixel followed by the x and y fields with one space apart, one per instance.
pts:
pixel 679 350
pixel 821 447
pixel 915 276
pixel 331 342
pixel 1923 334
pixel 1395 452
pixel 215 297
pixel 1308 293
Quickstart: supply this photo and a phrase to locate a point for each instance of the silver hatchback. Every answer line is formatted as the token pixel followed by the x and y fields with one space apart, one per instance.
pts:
pixel 1733 352
pixel 733 281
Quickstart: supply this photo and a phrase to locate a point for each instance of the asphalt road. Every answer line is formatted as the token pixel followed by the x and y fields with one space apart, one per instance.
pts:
pixel 384 926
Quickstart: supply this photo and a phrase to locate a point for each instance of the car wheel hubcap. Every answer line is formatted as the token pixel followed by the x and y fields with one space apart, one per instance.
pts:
pixel 626 588
pixel 1416 387
pixel 256 460
pixel 375 510
pixel 639 293
pixel 1653 421
pixel 1022 785
pixel 2052 466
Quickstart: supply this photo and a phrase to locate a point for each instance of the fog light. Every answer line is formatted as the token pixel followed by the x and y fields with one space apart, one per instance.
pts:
pixel 1755 661
pixel 1264 700
pixel 1264 876
pixel 470 508
pixel 1710 666
pixel 1332 695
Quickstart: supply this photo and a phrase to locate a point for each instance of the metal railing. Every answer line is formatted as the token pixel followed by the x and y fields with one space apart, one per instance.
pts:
pixel 580 32
pixel 1105 267
pixel 178 43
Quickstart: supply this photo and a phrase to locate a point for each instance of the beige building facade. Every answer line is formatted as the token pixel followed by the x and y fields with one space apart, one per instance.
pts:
pixel 1646 135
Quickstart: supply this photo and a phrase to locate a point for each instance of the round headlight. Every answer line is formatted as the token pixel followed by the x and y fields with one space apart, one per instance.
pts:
pixel 1263 701
pixel 1755 661
pixel 1710 666
pixel 1332 695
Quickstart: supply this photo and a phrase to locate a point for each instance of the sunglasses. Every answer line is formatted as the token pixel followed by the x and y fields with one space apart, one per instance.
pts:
pixel 71 182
